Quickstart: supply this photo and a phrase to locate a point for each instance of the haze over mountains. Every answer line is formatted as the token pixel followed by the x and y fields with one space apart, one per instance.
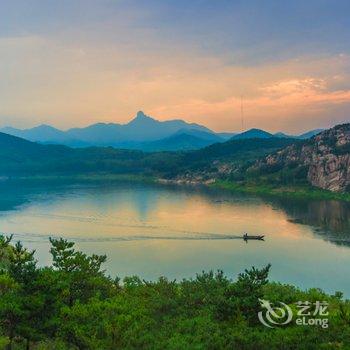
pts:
pixel 322 161
pixel 19 157
pixel 142 132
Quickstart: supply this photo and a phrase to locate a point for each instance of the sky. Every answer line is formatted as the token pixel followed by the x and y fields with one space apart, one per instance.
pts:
pixel 72 63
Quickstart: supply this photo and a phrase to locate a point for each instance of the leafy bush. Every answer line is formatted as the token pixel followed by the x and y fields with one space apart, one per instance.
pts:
pixel 73 305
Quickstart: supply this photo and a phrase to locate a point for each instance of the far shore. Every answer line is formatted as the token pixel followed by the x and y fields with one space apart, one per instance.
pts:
pixel 298 191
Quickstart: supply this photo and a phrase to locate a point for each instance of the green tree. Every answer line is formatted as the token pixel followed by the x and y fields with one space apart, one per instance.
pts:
pixel 244 294
pixel 82 274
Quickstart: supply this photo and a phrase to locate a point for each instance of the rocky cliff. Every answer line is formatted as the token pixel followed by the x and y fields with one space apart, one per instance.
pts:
pixel 326 158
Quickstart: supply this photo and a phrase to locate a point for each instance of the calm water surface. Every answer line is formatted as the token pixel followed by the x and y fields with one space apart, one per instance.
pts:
pixel 151 230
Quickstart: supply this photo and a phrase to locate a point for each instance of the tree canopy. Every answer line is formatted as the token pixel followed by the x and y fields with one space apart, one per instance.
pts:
pixel 73 304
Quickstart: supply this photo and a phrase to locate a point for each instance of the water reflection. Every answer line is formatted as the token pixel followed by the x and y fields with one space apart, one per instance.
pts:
pixel 330 219
pixel 153 230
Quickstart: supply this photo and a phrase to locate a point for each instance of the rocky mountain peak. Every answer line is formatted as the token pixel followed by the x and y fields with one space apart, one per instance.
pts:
pixel 140 116
pixel 326 157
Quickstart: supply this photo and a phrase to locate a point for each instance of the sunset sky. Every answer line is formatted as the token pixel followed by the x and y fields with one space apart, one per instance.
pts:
pixel 76 62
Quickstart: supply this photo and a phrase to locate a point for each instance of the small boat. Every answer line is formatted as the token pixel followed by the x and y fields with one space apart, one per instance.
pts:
pixel 246 237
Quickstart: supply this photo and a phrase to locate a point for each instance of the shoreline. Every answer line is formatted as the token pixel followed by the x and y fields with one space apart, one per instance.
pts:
pixel 296 192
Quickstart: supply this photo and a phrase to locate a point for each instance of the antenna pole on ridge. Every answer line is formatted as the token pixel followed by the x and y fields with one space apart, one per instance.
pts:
pixel 242 121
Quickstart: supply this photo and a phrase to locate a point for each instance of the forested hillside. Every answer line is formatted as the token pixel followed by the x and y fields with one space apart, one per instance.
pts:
pixel 19 157
pixel 322 161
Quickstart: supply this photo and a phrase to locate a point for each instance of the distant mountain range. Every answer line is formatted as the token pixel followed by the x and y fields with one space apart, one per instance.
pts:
pixel 261 134
pixel 142 133
pixel 253 134
pixel 19 157
pixel 306 135
pixel 322 161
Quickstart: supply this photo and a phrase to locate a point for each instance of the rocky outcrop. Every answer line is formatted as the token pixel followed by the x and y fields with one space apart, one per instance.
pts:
pixel 326 157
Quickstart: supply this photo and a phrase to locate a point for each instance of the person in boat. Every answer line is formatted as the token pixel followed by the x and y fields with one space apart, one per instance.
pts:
pixel 245 236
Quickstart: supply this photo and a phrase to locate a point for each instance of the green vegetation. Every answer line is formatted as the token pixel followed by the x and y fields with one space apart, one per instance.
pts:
pixel 292 191
pixel 81 179
pixel 74 305
pixel 21 158
pixel 34 162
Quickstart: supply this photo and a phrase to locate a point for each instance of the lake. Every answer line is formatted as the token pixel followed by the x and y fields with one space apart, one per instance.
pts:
pixel 153 230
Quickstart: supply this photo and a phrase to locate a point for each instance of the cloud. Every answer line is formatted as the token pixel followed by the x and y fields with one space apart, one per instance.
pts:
pixel 294 104
pixel 294 86
pixel 70 83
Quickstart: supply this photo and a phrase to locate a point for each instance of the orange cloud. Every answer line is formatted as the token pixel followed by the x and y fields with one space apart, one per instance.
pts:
pixel 294 99
pixel 70 85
